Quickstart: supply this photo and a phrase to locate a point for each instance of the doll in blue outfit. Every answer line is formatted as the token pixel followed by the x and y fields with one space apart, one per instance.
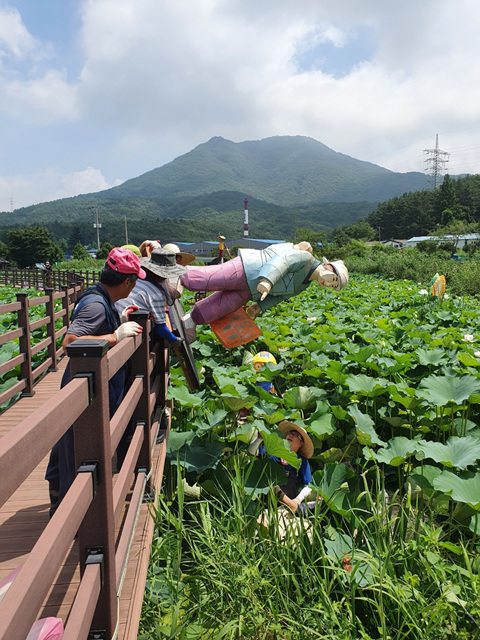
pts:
pixel 296 489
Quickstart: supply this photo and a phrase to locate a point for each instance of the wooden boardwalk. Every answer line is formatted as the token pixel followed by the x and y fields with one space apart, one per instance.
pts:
pixel 25 515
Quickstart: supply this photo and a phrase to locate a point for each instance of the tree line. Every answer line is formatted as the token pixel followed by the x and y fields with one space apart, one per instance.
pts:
pixel 454 207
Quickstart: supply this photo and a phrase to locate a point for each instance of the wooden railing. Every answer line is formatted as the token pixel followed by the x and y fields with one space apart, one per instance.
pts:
pixel 57 306
pixel 93 507
pixel 42 279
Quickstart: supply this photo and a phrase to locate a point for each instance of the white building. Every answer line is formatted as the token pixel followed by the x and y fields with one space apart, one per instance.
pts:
pixel 460 240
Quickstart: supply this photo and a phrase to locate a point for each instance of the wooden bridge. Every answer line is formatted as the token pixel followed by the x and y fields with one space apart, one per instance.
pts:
pixel 87 565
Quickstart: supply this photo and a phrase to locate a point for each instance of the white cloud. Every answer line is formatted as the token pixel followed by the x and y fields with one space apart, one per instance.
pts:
pixel 14 37
pixel 44 100
pixel 49 184
pixel 154 79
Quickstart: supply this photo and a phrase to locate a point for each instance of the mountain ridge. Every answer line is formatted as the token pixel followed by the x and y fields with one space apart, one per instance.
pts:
pixel 284 170
pixel 290 181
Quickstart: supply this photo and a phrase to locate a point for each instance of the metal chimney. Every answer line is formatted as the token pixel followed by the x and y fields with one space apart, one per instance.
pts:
pixel 245 218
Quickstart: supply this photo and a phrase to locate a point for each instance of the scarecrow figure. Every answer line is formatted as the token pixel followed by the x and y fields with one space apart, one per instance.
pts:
pixel 264 276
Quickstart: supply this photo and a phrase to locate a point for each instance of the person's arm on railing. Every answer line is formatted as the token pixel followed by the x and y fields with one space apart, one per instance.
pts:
pixel 126 330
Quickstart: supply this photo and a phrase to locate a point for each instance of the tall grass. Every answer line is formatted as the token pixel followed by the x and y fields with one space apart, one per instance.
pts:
pixel 463 278
pixel 383 573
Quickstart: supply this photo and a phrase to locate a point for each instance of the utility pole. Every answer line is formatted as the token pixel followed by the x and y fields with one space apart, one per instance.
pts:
pixel 437 161
pixel 96 224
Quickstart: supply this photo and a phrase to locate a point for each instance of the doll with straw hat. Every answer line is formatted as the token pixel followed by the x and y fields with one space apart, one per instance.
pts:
pixel 296 489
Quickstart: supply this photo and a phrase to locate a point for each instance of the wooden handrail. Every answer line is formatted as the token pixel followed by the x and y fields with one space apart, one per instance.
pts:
pixel 91 506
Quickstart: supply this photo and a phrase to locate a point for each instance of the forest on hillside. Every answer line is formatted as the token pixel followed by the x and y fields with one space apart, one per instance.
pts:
pixel 424 212
pixel 183 220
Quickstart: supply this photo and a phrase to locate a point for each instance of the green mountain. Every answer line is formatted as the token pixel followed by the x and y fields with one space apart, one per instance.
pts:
pixel 290 182
pixel 284 170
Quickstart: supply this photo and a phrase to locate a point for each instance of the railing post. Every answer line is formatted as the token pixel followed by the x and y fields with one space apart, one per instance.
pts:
pixel 78 282
pixel 140 366
pixel 50 311
pixel 66 306
pixel 91 433
pixel 24 344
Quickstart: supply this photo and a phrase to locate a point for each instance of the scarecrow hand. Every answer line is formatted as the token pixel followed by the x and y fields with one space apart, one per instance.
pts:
pixel 254 310
pixel 264 287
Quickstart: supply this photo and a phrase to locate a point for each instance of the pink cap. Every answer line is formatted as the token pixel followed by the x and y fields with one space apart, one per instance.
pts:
pixel 125 261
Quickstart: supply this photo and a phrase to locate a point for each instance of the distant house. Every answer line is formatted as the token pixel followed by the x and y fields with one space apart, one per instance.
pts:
pixel 396 244
pixel 461 240
pixel 204 249
pixel 251 243
pixel 199 249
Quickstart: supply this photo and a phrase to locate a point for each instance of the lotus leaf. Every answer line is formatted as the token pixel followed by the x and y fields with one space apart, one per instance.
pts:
pixel 230 386
pixel 464 488
pixel 212 420
pixel 364 385
pixel 264 474
pixel 303 398
pixel 457 452
pixel 440 390
pixel 468 360
pixel 332 484
pixel 364 427
pixel 277 446
pixel 340 546
pixel 475 524
pixel 177 439
pixel 396 452
pixel 434 356
pixel 184 397
pixel 423 478
pixel 196 457
pixel 235 403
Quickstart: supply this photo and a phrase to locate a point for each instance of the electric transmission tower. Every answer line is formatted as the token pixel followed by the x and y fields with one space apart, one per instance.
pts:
pixel 436 162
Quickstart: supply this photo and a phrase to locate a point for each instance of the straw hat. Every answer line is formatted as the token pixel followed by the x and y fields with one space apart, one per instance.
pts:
pixel 182 258
pixel 306 450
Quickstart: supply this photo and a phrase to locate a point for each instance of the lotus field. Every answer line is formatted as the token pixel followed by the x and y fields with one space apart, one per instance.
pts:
pixel 386 380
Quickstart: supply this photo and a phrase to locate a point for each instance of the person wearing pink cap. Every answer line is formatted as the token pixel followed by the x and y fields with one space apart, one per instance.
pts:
pixel 95 316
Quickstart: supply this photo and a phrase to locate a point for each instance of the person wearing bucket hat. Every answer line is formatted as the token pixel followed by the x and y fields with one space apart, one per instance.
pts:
pixel 296 489
pixel 182 258
pixel 264 276
pixel 157 290
pixel 95 316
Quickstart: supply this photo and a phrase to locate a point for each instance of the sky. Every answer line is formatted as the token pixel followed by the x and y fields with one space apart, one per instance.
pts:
pixel 95 92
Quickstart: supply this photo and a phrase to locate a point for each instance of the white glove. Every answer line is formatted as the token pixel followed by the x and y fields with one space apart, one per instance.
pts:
pixel 124 316
pixel 127 330
pixel 264 287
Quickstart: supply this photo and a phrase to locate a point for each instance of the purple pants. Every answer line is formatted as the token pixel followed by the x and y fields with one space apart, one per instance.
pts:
pixel 228 282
